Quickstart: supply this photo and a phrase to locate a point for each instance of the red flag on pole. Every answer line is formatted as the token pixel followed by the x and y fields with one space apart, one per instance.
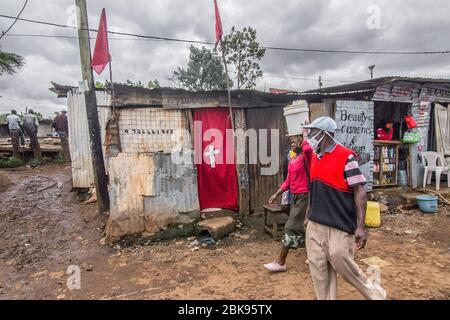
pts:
pixel 101 52
pixel 219 31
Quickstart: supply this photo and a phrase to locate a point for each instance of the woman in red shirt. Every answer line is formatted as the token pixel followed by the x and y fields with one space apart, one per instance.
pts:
pixel 386 132
pixel 297 182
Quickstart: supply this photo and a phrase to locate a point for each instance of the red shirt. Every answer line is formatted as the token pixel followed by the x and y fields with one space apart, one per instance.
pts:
pixel 382 135
pixel 297 179
pixel 333 177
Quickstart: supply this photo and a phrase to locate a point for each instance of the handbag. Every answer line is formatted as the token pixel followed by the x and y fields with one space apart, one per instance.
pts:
pixel 411 136
pixel 410 122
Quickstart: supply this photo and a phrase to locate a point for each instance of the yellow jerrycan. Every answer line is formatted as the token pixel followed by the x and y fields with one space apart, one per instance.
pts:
pixel 373 219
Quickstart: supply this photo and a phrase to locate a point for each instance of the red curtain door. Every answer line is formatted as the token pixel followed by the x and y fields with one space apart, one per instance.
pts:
pixel 217 181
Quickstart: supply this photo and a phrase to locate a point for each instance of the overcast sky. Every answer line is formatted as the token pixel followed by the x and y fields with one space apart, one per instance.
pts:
pixel 411 25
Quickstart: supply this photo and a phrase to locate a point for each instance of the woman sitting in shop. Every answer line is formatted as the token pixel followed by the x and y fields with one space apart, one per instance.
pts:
pixel 386 132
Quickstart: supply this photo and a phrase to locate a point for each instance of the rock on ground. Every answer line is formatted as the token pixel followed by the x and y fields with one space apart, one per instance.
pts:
pixel 218 227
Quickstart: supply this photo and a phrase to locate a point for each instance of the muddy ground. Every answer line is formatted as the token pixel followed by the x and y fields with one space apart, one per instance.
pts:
pixel 44 229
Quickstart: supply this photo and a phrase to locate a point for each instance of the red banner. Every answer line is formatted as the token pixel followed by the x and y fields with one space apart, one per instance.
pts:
pixel 101 52
pixel 217 180
pixel 219 31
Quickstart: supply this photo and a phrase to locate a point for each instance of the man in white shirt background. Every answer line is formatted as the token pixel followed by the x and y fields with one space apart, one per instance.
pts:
pixel 31 125
pixel 13 122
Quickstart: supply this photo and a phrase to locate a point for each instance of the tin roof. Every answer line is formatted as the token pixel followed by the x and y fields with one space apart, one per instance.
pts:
pixel 370 85
pixel 173 98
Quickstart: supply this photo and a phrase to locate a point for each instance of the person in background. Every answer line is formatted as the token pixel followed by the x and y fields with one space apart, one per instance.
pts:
pixel 297 182
pixel 386 132
pixel 31 125
pixel 336 215
pixel 61 126
pixel 21 135
pixel 13 122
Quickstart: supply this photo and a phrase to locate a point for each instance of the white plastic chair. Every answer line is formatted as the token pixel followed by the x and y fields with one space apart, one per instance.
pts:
pixel 434 162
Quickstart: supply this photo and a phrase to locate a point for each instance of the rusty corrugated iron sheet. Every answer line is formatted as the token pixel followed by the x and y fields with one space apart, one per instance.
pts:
pixel 263 186
pixel 131 179
pixel 176 194
pixel 148 192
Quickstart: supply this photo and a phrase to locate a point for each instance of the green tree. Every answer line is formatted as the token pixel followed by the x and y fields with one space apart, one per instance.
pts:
pixel 204 72
pixel 100 85
pixel 243 51
pixel 153 84
pixel 134 84
pixel 3 117
pixel 10 63
pixel 38 115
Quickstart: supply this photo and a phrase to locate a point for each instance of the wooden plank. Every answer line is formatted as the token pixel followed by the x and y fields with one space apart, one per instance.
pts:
pixel 181 99
pixel 135 96
pixel 392 142
pixel 190 126
pixel 5 145
pixel 242 168
pixel 384 185
pixel 317 110
pixel 189 102
pixel 396 164
pixel 263 186
pixel 28 149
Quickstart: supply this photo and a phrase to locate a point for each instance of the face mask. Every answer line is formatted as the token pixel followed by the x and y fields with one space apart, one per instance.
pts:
pixel 314 143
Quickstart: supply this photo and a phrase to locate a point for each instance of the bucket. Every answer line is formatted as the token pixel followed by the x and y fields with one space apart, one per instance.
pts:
pixel 427 204
pixel 373 217
pixel 296 115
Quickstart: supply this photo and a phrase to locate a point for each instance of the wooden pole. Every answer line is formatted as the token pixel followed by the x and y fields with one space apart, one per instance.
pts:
pixel 447 138
pixel 100 178
pixel 241 216
pixel 228 84
pixel 113 93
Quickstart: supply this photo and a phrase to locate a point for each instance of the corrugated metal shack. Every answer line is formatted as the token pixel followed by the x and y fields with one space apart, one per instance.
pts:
pixel 392 98
pixel 148 192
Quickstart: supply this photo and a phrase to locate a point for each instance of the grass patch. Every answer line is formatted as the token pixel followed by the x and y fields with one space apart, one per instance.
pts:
pixel 11 162
pixel 60 159
pixel 34 163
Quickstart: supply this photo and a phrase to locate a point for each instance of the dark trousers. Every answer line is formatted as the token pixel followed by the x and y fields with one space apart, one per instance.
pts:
pixel 294 230
pixel 15 141
pixel 34 143
pixel 64 144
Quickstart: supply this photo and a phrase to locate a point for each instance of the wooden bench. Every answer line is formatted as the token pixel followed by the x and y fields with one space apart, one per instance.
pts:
pixel 276 229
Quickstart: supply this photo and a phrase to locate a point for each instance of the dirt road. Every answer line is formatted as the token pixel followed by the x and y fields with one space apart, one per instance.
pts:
pixel 44 229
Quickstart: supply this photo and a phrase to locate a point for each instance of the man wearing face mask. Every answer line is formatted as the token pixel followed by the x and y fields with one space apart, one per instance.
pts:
pixel 336 214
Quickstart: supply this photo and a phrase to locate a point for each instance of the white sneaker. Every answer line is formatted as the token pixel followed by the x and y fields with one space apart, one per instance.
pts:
pixel 275 267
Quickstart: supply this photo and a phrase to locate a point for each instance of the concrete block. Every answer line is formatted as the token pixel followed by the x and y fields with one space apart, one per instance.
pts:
pixel 218 227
